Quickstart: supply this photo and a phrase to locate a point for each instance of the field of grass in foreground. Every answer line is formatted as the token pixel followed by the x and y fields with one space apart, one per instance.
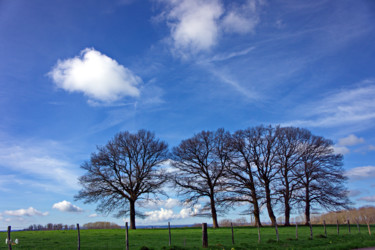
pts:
pixel 191 238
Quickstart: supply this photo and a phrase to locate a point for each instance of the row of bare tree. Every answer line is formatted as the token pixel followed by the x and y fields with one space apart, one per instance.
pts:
pixel 262 166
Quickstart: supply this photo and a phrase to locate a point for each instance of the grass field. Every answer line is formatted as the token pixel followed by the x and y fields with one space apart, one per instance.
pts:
pixel 191 238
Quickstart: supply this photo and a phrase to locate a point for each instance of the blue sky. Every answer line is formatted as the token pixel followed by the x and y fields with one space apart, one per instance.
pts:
pixel 74 73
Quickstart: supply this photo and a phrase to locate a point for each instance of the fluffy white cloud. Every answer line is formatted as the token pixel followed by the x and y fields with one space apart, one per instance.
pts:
pixel 196 25
pixel 97 76
pixel 66 206
pixel 367 198
pixel 361 172
pixel 93 215
pixel 350 140
pixel 241 19
pixel 169 203
pixel 341 150
pixel 25 212
pixel 167 214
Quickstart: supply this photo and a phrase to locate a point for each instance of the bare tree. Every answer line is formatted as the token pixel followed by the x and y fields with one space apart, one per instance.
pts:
pixel 200 162
pixel 124 171
pixel 243 185
pixel 288 158
pixel 321 176
pixel 263 150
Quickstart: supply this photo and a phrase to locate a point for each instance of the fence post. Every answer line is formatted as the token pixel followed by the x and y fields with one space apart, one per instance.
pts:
pixel 231 225
pixel 338 229
pixel 126 235
pixel 169 230
pixel 296 231
pixel 79 237
pixel 277 232
pixel 204 235
pixel 258 233
pixel 349 226
pixel 325 229
pixel 9 240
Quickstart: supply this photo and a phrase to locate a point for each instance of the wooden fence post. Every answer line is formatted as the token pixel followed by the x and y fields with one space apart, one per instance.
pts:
pixel 79 238
pixel 9 239
pixel 325 229
pixel 204 235
pixel 231 225
pixel 127 235
pixel 258 233
pixel 311 231
pixel 296 231
pixel 169 230
pixel 338 229
pixel 277 232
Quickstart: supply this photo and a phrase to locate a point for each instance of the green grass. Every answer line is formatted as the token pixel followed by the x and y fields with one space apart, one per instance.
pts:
pixel 191 238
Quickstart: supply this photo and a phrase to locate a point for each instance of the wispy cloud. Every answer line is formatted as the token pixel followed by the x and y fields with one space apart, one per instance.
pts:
pixel 359 173
pixel 66 206
pixel 346 107
pixel 40 162
pixel 25 212
pixel 96 75
pixel 367 198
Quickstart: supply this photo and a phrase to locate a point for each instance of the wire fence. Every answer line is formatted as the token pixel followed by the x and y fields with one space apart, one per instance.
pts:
pixel 184 238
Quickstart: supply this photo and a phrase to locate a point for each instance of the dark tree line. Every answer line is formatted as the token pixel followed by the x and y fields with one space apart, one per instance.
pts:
pixel 271 167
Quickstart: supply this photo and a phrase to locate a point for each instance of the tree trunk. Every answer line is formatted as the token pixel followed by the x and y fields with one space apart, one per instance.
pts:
pixel 307 207
pixel 286 201
pixel 269 205
pixel 256 213
pixel 213 213
pixel 132 214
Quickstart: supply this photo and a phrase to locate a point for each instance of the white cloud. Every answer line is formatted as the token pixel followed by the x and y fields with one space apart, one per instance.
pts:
pixel 40 161
pixel 350 140
pixel 348 107
pixel 367 198
pixel 93 215
pixel 371 148
pixel 241 19
pixel 169 203
pixel 341 150
pixel 193 23
pixel 361 173
pixel 97 76
pixel 25 212
pixel 167 214
pixel 66 206
pixel 197 25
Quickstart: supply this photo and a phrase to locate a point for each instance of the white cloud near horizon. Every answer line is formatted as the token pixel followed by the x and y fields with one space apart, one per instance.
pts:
pixel 97 76
pixel 197 25
pixel 66 206
pixel 25 212
pixel 93 215
pixel 360 173
pixel 350 140
pixel 166 214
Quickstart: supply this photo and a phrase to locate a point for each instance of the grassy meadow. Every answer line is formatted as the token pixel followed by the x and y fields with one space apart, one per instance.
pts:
pixel 191 238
